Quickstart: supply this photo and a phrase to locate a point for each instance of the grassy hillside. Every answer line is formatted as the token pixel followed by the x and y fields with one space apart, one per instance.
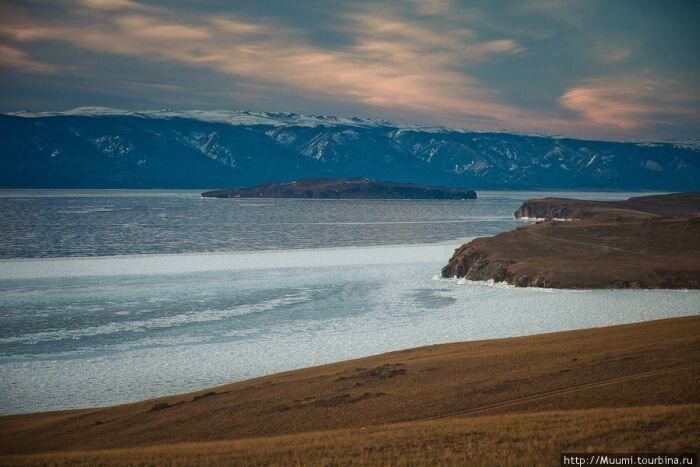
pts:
pixel 507 401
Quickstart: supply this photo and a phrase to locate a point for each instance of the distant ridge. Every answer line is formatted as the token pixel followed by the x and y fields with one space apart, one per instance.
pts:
pixel 96 147
pixel 230 117
pixel 251 117
pixel 348 188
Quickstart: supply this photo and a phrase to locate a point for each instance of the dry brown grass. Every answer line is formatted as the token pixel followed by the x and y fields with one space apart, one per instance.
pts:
pixel 522 439
pixel 593 253
pixel 509 401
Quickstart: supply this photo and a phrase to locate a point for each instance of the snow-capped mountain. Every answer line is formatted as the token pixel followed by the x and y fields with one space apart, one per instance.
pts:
pixel 231 117
pixel 100 147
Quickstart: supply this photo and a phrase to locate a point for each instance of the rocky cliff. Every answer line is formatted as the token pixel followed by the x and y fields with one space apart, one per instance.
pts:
pixel 674 204
pixel 625 250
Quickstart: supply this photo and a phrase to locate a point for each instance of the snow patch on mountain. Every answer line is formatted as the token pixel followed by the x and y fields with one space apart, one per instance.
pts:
pixel 113 146
pixel 208 144
pixel 230 117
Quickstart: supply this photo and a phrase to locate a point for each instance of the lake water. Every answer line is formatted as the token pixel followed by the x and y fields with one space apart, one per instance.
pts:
pixel 113 296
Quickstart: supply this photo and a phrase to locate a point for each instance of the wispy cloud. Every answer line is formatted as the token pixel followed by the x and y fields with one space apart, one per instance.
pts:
pixel 632 102
pixel 11 57
pixel 112 4
pixel 392 63
pixel 433 7
pixel 423 61
pixel 159 32
pixel 617 54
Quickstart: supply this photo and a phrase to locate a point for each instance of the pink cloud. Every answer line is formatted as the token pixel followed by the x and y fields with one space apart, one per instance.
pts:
pixel 630 102
pixel 112 4
pixel 602 107
pixel 394 64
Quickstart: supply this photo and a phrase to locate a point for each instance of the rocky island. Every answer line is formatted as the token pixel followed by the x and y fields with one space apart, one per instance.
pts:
pixel 644 242
pixel 344 188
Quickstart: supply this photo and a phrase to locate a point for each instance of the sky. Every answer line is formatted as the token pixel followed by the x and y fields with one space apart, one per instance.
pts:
pixel 615 69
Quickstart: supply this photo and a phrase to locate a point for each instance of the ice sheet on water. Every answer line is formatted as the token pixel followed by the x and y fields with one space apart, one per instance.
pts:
pixel 79 332
pixel 389 312
pixel 540 219
pixel 204 262
pixel 178 319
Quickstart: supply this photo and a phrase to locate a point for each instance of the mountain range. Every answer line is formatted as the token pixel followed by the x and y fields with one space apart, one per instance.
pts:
pixel 94 147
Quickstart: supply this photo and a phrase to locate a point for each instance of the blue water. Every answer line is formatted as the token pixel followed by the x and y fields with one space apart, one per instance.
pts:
pixel 61 223
pixel 115 296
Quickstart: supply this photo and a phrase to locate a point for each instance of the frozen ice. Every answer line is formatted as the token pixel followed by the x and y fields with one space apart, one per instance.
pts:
pixel 293 286
pixel 120 330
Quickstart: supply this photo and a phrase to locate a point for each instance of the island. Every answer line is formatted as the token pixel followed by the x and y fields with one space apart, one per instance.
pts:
pixel 344 188
pixel 643 242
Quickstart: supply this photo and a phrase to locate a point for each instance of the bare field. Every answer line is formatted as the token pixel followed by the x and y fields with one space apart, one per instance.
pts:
pixel 508 401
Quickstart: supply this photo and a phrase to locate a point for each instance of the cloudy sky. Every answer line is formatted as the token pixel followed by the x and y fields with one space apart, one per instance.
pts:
pixel 595 69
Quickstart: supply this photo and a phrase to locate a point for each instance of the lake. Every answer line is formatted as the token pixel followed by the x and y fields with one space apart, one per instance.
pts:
pixel 110 296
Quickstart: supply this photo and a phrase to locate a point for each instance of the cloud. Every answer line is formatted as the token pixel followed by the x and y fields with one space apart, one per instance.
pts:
pixel 617 54
pixel 113 5
pixel 142 27
pixel 11 57
pixel 236 27
pixel 392 63
pixel 432 62
pixel 501 46
pixel 450 45
pixel 570 12
pixel 632 102
pixel 433 7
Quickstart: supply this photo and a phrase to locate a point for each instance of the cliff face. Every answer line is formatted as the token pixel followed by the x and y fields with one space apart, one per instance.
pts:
pixel 355 188
pixel 675 204
pixel 474 261
pixel 554 208
pixel 652 252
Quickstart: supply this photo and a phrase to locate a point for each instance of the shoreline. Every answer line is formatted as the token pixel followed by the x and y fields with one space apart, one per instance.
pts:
pixel 648 242
pixel 65 380
pixel 192 262
pixel 631 366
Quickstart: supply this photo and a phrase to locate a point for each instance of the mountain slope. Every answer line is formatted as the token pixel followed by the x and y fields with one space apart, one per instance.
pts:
pixel 95 147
